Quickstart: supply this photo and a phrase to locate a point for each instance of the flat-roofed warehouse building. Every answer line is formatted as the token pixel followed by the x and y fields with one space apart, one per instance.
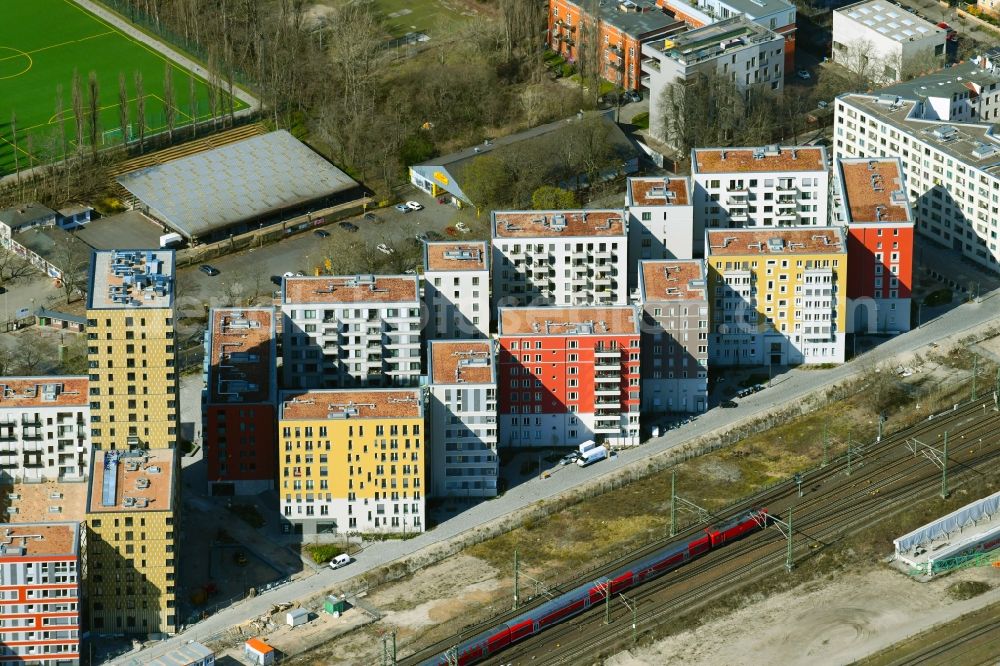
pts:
pixel 239 187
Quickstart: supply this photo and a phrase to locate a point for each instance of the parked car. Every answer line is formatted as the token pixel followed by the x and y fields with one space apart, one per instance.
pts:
pixel 208 270
pixel 289 274
pixel 319 233
pixel 373 218
pixel 276 279
pixel 414 205
pixel 632 96
pixel 952 33
pixel 463 227
pixel 803 74
pixel 341 560
pixel 402 208
pixel 299 274
pixel 569 459
pixel 421 237
pixel 347 226
pixel 384 249
pixel 728 404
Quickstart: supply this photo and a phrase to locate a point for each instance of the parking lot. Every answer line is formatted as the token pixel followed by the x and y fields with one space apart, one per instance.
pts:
pixel 309 251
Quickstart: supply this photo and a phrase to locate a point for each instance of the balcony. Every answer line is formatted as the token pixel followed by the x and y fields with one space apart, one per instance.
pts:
pixel 34 420
pixel 608 378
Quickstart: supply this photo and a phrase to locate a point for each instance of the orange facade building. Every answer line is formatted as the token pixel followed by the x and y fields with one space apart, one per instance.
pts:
pixel 621 28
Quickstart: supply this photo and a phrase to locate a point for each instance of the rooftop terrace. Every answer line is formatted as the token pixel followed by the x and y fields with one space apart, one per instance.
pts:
pixel 131 481
pixel 455 256
pixel 243 355
pixel 39 539
pixel 52 391
pixel 575 321
pixel 50 501
pixel 672 281
pixel 758 160
pixel 131 279
pixel 461 362
pixel 712 41
pixel 973 144
pixel 558 224
pixel 648 191
pixel 359 289
pixel 873 190
pixel 783 241
pixel 351 404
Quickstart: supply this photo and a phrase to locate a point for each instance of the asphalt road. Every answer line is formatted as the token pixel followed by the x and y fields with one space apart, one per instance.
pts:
pixel 789 387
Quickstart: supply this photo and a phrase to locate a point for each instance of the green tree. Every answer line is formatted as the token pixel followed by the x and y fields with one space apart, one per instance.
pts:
pixel 487 181
pixel 416 148
pixel 548 197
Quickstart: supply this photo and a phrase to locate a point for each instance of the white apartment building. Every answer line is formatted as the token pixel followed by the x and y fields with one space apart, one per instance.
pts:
pixel 674 336
pixel 884 42
pixel 749 53
pixel 40 594
pixel 952 169
pixel 344 331
pixel 661 223
pixel 457 290
pixel 767 186
pixel 575 257
pixel 44 428
pixel 463 418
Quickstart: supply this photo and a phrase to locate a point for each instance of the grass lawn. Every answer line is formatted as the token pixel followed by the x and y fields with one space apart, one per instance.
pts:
pixel 431 17
pixel 41 43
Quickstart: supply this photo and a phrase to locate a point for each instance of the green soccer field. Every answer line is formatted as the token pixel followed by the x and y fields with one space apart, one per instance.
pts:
pixel 42 42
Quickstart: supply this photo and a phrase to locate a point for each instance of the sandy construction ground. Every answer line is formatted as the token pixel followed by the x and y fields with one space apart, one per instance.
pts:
pixel 826 623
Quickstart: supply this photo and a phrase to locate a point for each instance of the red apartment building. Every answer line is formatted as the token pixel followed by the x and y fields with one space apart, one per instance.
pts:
pixel 40 594
pixel 568 375
pixel 622 28
pixel 870 199
pixel 239 416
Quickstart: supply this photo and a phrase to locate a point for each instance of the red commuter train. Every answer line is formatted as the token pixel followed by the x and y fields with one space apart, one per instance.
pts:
pixel 580 599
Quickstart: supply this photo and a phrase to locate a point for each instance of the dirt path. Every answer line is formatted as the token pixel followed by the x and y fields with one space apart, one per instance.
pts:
pixel 828 623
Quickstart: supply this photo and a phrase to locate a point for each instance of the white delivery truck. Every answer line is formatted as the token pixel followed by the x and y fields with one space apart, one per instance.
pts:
pixel 587 446
pixel 592 456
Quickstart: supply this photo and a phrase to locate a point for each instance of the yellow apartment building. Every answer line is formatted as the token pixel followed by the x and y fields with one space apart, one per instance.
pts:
pixel 130 350
pixel 352 461
pixel 777 296
pixel 131 542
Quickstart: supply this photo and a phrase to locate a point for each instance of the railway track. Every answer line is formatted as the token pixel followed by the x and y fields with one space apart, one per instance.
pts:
pixel 722 571
pixel 961 649
pixel 890 453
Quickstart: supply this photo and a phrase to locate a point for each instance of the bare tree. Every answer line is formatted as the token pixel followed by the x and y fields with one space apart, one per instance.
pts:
pixel 865 69
pixel 60 110
pixel 78 116
pixel 123 106
pixel 94 119
pixel 169 110
pixel 29 359
pixel 72 257
pixel 140 109
pixel 193 105
pixel 13 139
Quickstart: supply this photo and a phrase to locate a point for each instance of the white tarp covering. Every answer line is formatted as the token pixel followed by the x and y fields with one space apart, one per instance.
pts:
pixel 981 542
pixel 968 515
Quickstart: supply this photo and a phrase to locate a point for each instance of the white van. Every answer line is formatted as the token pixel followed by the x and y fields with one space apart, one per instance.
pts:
pixel 340 561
